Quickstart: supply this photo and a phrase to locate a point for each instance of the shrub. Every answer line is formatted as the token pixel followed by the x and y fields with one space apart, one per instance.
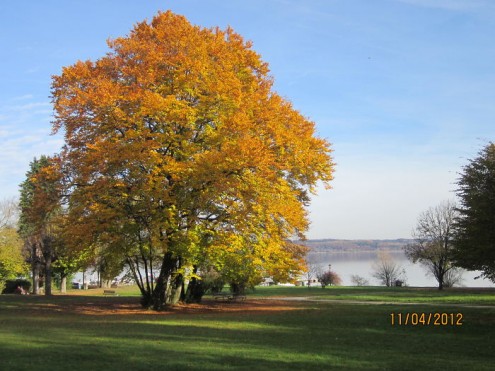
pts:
pixel 11 286
pixel 329 278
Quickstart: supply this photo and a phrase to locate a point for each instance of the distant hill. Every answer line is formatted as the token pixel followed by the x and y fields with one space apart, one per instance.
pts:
pixel 333 245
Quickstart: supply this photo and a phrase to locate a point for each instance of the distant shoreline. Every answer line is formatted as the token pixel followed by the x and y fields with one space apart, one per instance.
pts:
pixel 347 246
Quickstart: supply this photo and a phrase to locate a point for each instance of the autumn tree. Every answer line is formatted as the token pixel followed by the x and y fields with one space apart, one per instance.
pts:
pixel 433 241
pixel 329 278
pixel 178 153
pixel 475 227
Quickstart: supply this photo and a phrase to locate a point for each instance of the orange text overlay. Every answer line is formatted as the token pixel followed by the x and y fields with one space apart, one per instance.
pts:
pixel 426 319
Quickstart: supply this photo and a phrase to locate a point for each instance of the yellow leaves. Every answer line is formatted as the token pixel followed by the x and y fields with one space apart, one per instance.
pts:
pixel 11 260
pixel 176 135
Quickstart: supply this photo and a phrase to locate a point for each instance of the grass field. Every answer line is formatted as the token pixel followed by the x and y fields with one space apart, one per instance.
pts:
pixel 385 294
pixel 88 332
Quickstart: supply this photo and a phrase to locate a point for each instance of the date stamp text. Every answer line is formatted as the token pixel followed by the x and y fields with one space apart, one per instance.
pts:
pixel 426 319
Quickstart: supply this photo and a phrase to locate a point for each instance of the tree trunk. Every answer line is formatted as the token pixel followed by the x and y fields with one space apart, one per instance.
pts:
pixel 440 281
pixel 175 290
pixel 48 275
pixel 195 291
pixel 104 284
pixel 63 284
pixel 158 297
pixel 36 277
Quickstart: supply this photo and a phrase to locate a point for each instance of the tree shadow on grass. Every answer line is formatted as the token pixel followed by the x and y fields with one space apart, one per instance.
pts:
pixel 315 336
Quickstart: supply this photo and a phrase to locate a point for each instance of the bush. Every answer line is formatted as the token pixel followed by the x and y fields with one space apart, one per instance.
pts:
pixel 11 286
pixel 329 278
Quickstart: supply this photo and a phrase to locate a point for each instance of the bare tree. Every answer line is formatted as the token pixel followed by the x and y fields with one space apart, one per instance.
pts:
pixel 311 273
pixel 433 245
pixel 453 277
pixel 9 212
pixel 359 281
pixel 387 270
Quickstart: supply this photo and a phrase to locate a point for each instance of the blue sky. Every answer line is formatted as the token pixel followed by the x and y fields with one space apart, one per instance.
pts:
pixel 403 89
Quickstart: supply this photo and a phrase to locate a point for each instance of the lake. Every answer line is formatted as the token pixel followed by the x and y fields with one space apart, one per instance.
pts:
pixel 346 264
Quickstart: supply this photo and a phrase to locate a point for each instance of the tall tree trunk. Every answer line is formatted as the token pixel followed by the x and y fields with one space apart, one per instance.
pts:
pixel 158 295
pixel 175 290
pixel 36 277
pixel 48 275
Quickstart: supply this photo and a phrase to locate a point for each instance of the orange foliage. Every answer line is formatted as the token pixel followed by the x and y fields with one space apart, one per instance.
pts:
pixel 176 138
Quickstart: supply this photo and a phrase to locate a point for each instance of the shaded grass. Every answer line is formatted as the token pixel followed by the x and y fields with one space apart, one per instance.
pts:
pixel 42 333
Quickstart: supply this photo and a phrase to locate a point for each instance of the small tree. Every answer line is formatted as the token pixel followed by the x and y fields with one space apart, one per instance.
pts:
pixel 329 278
pixel 453 277
pixel 359 281
pixel 311 273
pixel 433 246
pixel 387 270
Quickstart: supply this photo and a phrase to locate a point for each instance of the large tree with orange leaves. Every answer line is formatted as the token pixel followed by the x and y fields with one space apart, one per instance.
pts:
pixel 179 154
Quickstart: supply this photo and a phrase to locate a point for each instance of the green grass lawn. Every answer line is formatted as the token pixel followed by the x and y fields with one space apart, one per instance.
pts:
pixel 473 296
pixel 62 333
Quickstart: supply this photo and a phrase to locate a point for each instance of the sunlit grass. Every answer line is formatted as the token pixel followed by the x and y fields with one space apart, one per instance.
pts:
pixel 318 335
pixel 50 333
pixel 468 296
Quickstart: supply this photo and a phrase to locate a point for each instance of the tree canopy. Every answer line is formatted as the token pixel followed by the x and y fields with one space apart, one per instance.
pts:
pixel 475 239
pixel 179 155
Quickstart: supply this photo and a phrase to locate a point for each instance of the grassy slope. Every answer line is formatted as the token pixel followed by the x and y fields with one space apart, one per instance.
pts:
pixel 37 333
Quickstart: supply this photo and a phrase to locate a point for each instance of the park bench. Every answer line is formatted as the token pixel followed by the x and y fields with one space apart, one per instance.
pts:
pixel 221 296
pixel 109 293
pixel 228 296
pixel 236 297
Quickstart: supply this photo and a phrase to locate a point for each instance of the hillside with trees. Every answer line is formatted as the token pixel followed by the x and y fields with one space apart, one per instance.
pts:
pixel 336 245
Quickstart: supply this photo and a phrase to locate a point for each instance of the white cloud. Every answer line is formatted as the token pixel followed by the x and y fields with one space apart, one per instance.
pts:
pixel 24 134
